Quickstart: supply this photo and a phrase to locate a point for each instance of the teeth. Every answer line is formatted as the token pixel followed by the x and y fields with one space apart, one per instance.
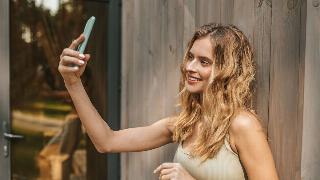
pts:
pixel 193 79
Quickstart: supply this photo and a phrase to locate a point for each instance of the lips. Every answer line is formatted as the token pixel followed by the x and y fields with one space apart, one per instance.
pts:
pixel 192 79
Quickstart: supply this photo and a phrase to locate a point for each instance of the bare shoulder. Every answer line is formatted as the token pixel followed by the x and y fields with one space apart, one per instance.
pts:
pixel 245 121
pixel 244 124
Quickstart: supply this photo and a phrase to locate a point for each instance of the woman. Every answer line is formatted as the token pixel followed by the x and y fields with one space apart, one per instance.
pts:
pixel 218 133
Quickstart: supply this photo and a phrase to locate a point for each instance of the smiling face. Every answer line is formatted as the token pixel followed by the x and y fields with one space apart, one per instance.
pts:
pixel 199 65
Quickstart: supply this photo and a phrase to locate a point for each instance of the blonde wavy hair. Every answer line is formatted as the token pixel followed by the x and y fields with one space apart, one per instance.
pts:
pixel 229 89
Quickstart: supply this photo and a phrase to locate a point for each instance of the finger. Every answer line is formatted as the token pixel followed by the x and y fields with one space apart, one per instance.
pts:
pixel 67 60
pixel 164 166
pixel 71 52
pixel 87 57
pixel 67 69
pixel 168 165
pixel 77 41
pixel 158 169
pixel 166 171
pixel 167 177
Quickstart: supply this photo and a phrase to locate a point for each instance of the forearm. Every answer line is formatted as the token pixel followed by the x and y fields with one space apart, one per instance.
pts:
pixel 98 130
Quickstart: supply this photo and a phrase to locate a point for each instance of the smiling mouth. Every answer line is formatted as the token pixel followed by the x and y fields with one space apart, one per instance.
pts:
pixel 193 79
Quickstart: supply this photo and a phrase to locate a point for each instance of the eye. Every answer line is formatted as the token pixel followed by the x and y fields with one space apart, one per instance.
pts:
pixel 190 56
pixel 204 62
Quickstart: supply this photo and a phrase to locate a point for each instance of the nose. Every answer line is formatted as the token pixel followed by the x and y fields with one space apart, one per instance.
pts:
pixel 191 65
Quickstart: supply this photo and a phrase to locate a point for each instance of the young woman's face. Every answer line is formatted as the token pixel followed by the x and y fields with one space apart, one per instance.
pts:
pixel 199 65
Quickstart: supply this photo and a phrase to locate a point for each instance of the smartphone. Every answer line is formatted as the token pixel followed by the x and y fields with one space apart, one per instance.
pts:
pixel 86 32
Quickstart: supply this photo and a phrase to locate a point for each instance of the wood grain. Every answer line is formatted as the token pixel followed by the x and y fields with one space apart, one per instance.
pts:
pixel 277 34
pixel 284 127
pixel 310 162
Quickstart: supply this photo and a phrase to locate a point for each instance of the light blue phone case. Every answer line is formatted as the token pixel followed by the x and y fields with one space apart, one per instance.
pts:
pixel 86 32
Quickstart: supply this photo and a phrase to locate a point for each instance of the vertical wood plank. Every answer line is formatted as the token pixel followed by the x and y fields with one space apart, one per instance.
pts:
pixel 126 61
pixel 284 124
pixel 136 79
pixel 310 162
pixel 227 10
pixel 156 83
pixel 189 23
pixel 243 16
pixel 262 55
pixel 208 11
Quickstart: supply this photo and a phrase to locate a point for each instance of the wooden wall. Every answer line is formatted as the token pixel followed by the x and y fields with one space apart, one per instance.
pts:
pixel 154 36
pixel 310 160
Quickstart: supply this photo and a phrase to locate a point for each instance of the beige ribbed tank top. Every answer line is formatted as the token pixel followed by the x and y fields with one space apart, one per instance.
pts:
pixel 225 165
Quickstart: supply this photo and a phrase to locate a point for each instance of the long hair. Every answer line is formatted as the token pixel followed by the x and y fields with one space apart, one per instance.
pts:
pixel 228 91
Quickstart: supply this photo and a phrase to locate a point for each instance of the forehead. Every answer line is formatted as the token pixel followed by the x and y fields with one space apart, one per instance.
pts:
pixel 202 47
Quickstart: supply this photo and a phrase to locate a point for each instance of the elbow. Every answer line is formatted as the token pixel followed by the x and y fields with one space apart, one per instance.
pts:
pixel 105 146
pixel 102 149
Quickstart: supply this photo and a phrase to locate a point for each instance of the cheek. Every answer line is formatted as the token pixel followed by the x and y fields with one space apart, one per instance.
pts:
pixel 206 74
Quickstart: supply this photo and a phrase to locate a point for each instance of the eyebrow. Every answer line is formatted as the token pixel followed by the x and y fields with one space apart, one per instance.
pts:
pixel 205 57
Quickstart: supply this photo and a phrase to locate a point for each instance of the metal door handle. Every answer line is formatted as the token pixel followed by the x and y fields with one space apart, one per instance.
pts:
pixel 12 136
pixel 8 137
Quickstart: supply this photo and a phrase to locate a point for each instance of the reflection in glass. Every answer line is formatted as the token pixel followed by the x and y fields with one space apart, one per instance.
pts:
pixel 41 110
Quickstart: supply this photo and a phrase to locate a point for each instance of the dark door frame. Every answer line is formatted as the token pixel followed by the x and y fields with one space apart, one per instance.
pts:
pixel 114 81
pixel 5 163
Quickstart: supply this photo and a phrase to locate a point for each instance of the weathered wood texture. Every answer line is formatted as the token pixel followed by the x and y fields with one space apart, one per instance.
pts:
pixel 154 37
pixel 310 160
pixel 286 87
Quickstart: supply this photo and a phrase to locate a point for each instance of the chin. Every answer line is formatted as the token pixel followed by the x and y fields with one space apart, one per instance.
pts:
pixel 196 87
pixel 193 90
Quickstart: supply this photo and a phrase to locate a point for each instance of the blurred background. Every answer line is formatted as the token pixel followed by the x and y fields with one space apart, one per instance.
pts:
pixel 39 103
pixel 54 145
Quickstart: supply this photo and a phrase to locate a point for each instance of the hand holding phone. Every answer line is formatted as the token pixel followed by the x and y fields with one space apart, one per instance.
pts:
pixel 72 65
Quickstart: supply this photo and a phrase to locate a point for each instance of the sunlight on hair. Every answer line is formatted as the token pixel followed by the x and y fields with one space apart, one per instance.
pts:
pixel 229 90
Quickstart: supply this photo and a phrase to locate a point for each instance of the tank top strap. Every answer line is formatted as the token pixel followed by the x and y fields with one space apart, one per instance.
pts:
pixel 227 144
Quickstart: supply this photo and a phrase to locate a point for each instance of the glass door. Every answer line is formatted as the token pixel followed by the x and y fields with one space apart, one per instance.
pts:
pixel 54 145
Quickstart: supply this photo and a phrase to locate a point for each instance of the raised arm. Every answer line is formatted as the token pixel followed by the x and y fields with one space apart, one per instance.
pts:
pixel 102 136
